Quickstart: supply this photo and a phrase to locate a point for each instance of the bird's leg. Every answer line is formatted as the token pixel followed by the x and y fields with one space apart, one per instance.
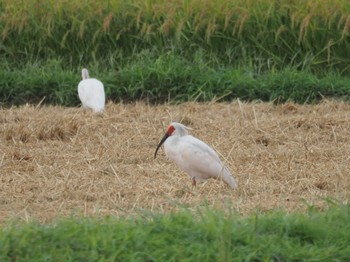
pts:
pixel 194 182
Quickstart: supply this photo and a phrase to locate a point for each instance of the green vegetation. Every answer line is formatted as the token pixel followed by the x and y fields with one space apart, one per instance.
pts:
pixel 205 236
pixel 168 77
pixel 305 34
pixel 219 48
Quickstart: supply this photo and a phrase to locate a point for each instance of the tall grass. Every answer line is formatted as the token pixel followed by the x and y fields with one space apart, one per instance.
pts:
pixel 269 34
pixel 206 236
pixel 167 78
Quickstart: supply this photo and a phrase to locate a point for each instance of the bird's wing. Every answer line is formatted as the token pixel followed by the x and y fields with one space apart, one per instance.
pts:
pixel 91 93
pixel 199 146
pixel 82 92
pixel 98 95
pixel 196 158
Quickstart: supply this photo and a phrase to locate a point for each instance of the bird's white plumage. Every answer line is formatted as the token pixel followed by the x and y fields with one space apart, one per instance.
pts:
pixel 91 92
pixel 195 157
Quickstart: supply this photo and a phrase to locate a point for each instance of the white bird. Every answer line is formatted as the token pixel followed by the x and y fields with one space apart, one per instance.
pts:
pixel 193 156
pixel 91 92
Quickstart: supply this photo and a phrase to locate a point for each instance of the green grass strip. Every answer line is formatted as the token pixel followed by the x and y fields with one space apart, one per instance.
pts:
pixel 169 77
pixel 207 235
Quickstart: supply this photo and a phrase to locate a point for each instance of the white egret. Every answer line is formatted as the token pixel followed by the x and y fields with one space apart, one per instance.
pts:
pixel 91 92
pixel 193 156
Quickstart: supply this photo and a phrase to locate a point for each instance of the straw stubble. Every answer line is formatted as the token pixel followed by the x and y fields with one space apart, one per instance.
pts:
pixel 59 161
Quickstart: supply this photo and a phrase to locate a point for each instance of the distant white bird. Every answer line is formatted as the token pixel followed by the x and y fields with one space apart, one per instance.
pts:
pixel 193 156
pixel 91 92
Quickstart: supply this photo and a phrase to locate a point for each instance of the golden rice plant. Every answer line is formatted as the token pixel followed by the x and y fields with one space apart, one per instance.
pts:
pixel 81 29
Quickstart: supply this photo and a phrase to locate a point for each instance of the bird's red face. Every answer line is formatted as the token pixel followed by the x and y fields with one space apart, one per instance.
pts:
pixel 170 130
pixel 168 133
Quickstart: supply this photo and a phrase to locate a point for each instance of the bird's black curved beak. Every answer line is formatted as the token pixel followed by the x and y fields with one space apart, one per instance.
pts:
pixel 161 143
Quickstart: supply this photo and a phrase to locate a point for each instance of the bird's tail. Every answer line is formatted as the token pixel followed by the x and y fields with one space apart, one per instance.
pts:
pixel 228 178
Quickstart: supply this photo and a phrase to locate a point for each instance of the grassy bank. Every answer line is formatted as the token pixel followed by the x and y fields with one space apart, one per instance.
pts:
pixel 168 77
pixel 270 34
pixel 207 236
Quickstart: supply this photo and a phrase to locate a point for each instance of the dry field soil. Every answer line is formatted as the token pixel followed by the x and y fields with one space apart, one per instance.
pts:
pixel 59 162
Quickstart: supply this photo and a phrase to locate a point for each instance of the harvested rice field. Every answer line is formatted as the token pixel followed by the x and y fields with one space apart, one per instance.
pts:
pixel 59 162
